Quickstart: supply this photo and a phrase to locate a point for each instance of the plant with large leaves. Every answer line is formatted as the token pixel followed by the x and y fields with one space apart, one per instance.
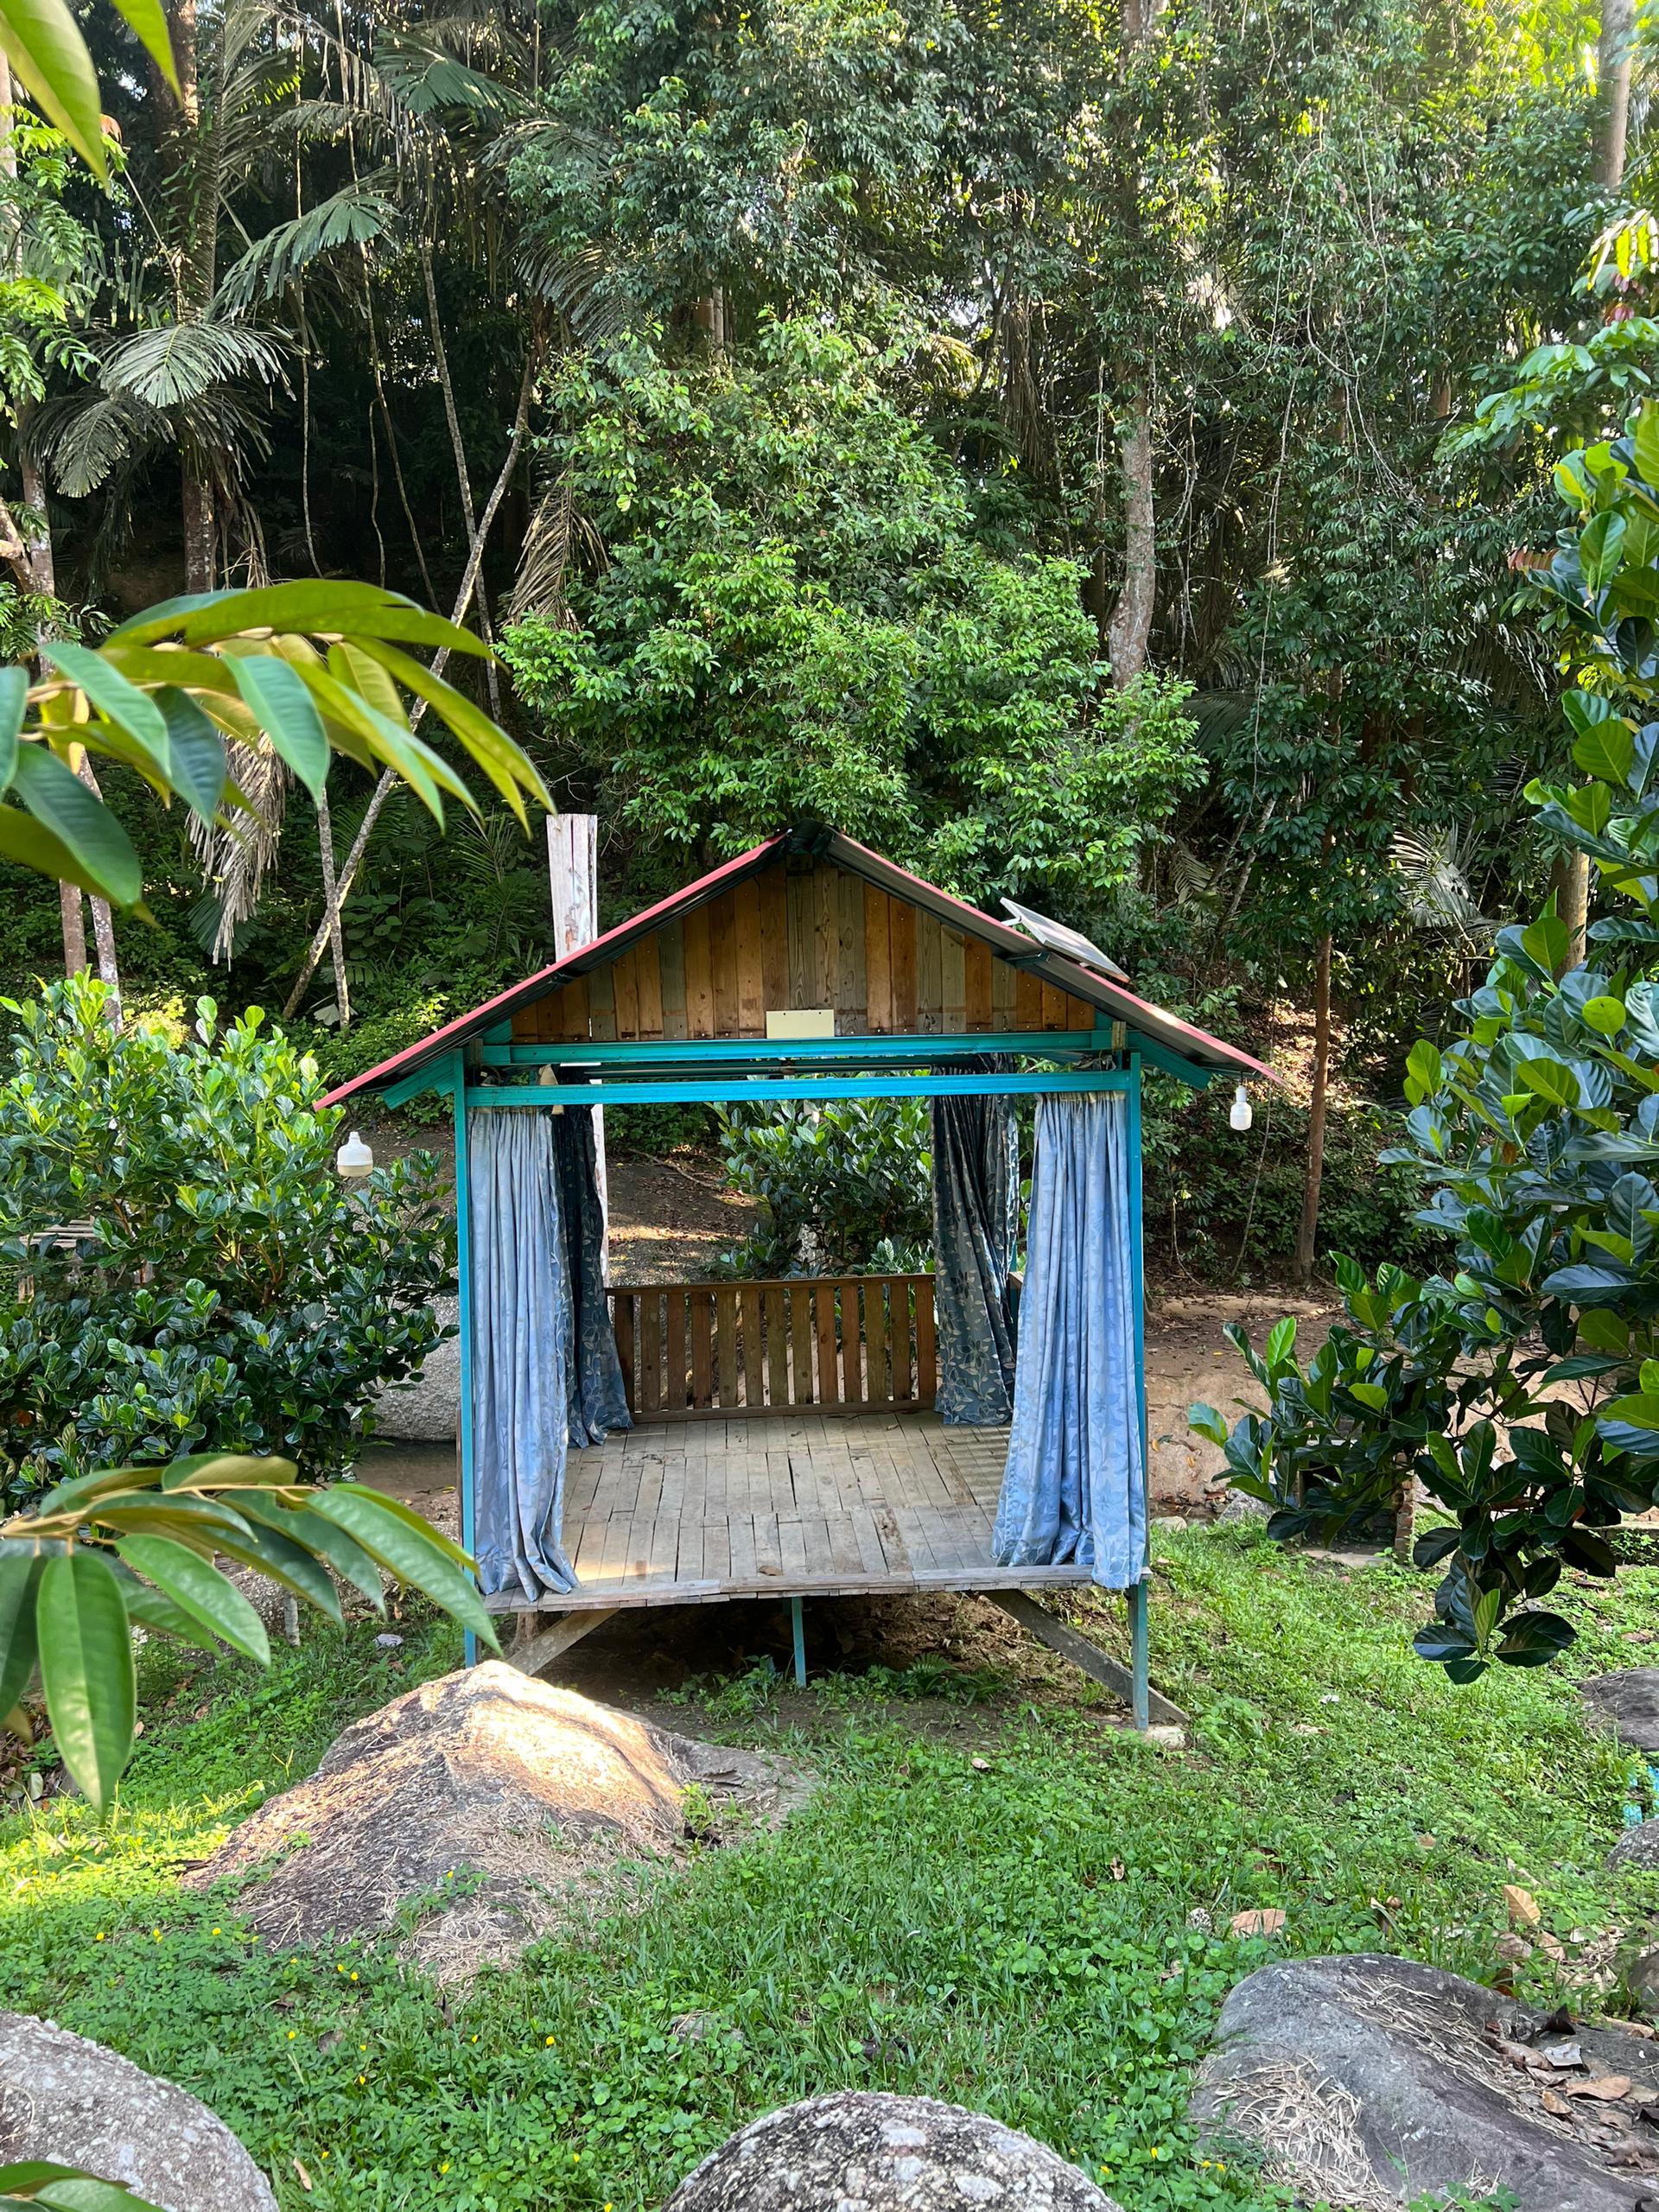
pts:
pixel 66 2188
pixel 1522 1388
pixel 127 1547
pixel 313 668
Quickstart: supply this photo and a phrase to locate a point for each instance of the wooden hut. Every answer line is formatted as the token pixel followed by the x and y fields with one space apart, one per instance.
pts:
pixel 785 1444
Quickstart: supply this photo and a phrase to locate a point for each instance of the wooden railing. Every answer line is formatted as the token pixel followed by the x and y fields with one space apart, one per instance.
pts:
pixel 847 1344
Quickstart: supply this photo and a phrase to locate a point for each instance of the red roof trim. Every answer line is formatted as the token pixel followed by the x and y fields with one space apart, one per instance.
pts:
pixel 467 1026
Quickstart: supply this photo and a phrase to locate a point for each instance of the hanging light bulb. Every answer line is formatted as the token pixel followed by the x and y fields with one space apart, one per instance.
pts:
pixel 1239 1116
pixel 354 1160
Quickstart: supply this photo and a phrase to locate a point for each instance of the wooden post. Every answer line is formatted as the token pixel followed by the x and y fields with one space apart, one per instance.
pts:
pixel 573 866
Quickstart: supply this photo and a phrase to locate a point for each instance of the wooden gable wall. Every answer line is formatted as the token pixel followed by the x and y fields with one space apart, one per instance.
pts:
pixel 800 938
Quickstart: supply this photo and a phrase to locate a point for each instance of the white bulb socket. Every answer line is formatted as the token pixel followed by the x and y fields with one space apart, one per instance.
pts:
pixel 354 1160
pixel 1239 1116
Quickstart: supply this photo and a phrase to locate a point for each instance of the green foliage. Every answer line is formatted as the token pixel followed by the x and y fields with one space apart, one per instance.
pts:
pixel 796 619
pixel 1521 1390
pixel 66 2188
pixel 190 1272
pixel 1015 1937
pixel 126 1547
pixel 843 1187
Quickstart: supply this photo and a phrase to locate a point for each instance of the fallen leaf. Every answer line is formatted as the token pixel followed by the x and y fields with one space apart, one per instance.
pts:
pixel 305 2179
pixel 982 1766
pixel 1555 2104
pixel 1551 1946
pixel 1117 1870
pixel 1638 1636
pixel 1514 1947
pixel 1608 2088
pixel 1564 2055
pixel 1525 1910
pixel 1259 1923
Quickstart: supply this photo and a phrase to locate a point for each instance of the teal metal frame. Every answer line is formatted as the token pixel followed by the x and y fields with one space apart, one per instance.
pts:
pixel 449 1076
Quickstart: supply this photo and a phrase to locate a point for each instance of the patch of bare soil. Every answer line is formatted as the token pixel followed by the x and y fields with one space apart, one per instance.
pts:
pixel 671 1220
pixel 487 1809
pixel 1188 1359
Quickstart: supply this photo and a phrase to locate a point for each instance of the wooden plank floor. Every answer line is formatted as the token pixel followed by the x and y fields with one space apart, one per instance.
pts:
pixel 689 1512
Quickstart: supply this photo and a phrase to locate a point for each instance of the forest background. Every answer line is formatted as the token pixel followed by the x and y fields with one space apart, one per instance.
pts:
pixel 1092 455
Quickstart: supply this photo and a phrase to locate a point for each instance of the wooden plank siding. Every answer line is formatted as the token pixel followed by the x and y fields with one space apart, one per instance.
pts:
pixel 800 940
pixel 702 1351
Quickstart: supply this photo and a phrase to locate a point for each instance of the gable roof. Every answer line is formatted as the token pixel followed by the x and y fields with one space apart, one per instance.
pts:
pixel 1112 999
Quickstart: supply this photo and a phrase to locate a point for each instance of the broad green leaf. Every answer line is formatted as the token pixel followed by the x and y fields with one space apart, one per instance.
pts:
pixel 1205 1420
pixel 1603 1014
pixel 47 50
pixel 310 608
pixel 111 693
pixel 1645 439
pixel 1282 1339
pixel 20 1578
pixel 228 1470
pixel 13 705
pixel 86 2193
pixel 1547 942
pixel 343 1553
pixel 418 1524
pixel 23 2178
pixel 1550 1079
pixel 198 1588
pixel 82 823
pixel 277 692
pixel 416 1557
pixel 184 1514
pixel 195 753
pixel 1371 1393
pixel 86 1672
pixel 494 752
pixel 1600 544
pixel 1424 1073
pixel 1487 1608
pixel 80 1491
pixel 147 21
pixel 283 1560
pixel 148 1609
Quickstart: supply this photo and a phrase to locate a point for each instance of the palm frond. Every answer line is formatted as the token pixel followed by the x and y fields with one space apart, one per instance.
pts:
pixel 181 361
pixel 81 440
pixel 558 534
pixel 1435 887
pixel 356 216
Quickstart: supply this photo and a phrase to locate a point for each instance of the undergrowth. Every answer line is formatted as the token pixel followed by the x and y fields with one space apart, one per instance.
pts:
pixel 1039 1931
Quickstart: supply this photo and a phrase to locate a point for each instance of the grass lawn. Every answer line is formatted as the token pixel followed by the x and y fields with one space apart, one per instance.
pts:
pixel 1016 1939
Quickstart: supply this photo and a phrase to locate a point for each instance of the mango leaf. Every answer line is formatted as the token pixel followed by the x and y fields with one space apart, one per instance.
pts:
pixel 421 1527
pixel 147 21
pixel 228 1470
pixel 86 1648
pixel 414 1556
pixel 308 607
pixel 328 1543
pixel 198 1588
pixel 110 692
pixel 277 695
pixel 48 52
pixel 195 753
pixel 85 2193
pixel 84 827
pixel 13 705
pixel 276 1554
pixel 20 1579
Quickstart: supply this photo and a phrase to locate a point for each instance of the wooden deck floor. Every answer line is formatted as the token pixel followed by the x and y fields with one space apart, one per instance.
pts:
pixel 689 1512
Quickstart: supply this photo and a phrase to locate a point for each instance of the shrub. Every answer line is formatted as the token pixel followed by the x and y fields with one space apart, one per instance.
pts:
pixel 191 1272
pixel 846 1186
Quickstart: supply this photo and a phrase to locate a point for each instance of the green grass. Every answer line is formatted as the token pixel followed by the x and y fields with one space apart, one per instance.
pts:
pixel 1015 1939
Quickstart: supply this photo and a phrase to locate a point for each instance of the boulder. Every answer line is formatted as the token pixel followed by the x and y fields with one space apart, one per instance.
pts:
pixel 73 2101
pixel 864 2152
pixel 496 1806
pixel 1628 1703
pixel 1372 2081
pixel 427 1410
pixel 1638 1847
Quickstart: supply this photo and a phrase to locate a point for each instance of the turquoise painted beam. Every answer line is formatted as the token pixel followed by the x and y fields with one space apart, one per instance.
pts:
pixel 455 1082
pixel 809 1089
pixel 438 1075
pixel 714 1051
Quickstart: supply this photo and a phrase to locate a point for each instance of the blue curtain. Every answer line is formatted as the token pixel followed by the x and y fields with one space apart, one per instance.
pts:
pixel 976 1227
pixel 546 1372
pixel 598 1397
pixel 1075 1487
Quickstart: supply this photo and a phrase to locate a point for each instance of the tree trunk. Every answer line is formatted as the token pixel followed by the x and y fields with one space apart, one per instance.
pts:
pixel 1130 626
pixel 1613 53
pixel 74 928
pixel 331 908
pixel 463 599
pixel 463 475
pixel 1307 1233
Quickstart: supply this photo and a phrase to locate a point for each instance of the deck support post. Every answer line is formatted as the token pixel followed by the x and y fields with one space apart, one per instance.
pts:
pixel 798 1627
pixel 1140 1695
pixel 457 1076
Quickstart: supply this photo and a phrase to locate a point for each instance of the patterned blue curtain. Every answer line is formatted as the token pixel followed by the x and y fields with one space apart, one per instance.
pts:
pixel 598 1397
pixel 976 1227
pixel 1075 1487
pixel 545 1368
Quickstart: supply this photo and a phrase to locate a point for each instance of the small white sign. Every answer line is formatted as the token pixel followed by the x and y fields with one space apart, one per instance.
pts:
pixel 798 1021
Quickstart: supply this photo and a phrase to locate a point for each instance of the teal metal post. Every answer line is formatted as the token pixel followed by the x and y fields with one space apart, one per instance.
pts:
pixel 798 1626
pixel 464 1289
pixel 1140 1659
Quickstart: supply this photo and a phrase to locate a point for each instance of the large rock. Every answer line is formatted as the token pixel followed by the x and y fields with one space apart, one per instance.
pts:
pixel 1373 2080
pixel 502 1802
pixel 1628 1703
pixel 1639 1847
pixel 65 2099
pixel 427 1410
pixel 862 2152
